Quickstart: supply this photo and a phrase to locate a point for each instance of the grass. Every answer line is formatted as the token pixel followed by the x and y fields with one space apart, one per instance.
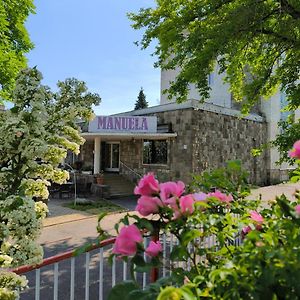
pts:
pixel 97 207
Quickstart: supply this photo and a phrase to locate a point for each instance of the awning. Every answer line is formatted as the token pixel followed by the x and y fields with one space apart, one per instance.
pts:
pixel 114 136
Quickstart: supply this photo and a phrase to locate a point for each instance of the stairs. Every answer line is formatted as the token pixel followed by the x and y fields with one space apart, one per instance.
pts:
pixel 119 186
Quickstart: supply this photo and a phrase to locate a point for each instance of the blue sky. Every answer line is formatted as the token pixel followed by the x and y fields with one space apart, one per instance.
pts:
pixel 92 40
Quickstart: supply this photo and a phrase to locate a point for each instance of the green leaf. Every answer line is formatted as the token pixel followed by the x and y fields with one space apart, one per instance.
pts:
pixel 82 249
pixel 190 235
pixel 101 216
pixel 145 224
pixel 138 260
pixel 170 293
pixel 122 290
pixel 187 293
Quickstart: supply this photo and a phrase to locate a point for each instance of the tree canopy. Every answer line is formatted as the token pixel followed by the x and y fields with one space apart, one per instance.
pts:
pixel 141 100
pixel 255 42
pixel 14 41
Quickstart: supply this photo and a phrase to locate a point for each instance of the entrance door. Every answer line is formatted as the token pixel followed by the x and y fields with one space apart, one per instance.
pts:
pixel 112 157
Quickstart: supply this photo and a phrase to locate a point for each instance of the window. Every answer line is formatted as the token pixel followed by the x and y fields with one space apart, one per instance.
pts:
pixel 155 152
pixel 284 114
pixel 210 79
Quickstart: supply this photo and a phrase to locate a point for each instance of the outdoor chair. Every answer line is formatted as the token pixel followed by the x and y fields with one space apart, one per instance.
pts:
pixel 83 187
pixel 66 189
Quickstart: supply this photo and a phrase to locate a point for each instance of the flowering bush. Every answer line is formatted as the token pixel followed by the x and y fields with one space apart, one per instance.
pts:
pixel 264 266
pixel 35 137
pixel 11 285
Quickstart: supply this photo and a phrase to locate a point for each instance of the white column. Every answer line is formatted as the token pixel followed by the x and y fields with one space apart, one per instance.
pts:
pixel 97 154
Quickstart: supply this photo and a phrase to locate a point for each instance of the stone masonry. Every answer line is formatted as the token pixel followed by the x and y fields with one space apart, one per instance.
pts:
pixel 205 140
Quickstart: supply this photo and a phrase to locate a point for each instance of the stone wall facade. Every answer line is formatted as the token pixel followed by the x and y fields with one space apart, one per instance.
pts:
pixel 205 140
pixel 219 138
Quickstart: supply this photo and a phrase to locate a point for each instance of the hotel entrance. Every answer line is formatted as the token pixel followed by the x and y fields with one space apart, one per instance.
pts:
pixel 111 156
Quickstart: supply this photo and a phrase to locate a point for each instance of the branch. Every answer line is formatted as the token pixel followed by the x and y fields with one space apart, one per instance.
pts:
pixel 278 36
pixel 289 9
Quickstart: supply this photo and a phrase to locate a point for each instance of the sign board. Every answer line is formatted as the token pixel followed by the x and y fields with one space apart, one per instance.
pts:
pixel 132 124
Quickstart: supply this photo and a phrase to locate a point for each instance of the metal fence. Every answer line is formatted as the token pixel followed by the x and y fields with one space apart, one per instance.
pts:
pixel 89 275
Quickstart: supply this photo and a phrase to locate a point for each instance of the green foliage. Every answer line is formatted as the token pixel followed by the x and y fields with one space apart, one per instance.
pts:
pixel 141 101
pixel 14 42
pixel 257 44
pixel 290 133
pixel 122 291
pixel 96 207
pixel 265 264
pixel 130 290
pixel 231 179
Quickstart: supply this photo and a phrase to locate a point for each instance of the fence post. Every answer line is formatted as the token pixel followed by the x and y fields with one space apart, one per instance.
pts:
pixel 154 271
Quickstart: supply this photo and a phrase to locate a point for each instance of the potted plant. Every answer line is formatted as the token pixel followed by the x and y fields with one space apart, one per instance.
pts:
pixel 100 177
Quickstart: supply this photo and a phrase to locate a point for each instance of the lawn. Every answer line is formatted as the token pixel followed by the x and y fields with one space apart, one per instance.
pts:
pixel 96 207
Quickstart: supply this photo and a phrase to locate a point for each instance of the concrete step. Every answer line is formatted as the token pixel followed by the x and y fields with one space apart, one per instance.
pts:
pixel 119 186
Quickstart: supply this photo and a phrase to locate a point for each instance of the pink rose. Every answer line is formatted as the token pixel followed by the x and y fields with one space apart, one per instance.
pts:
pixel 295 152
pixel 147 186
pixel 173 204
pixel 200 196
pixel 126 241
pixel 186 204
pixel 246 230
pixel 171 189
pixel 148 205
pixel 153 249
pixel 222 197
pixel 255 216
pixel 297 209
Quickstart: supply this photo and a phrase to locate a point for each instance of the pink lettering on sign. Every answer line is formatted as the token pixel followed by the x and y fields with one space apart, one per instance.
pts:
pixel 122 123
pixel 101 122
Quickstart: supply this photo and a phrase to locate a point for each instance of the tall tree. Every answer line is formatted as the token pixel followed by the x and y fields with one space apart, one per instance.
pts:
pixel 14 41
pixel 255 42
pixel 141 100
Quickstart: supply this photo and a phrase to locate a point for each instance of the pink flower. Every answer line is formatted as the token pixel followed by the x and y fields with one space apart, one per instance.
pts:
pixel 222 197
pixel 171 189
pixel 153 249
pixel 126 241
pixel 186 204
pixel 148 205
pixel 295 152
pixel 246 230
pixel 147 186
pixel 255 216
pixel 200 196
pixel 297 209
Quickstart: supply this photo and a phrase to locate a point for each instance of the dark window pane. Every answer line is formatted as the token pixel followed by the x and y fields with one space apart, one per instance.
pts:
pixel 155 152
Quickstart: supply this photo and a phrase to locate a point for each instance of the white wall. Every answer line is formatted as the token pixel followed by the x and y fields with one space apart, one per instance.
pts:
pixel 272 111
pixel 219 94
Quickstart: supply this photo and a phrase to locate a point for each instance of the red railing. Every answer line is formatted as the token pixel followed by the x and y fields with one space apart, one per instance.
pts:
pixel 117 274
pixel 60 257
pixel 118 271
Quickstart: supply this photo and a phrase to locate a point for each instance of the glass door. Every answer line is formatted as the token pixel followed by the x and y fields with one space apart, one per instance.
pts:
pixel 112 159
